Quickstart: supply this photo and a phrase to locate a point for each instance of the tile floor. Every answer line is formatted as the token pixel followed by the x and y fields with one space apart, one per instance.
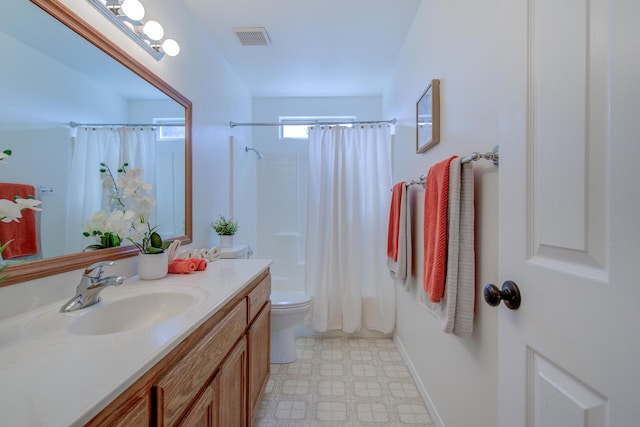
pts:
pixel 342 382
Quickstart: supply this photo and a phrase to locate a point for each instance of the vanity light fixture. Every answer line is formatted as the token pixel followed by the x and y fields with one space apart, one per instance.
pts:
pixel 128 15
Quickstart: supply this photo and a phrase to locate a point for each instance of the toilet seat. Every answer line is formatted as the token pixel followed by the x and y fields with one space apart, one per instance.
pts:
pixel 289 300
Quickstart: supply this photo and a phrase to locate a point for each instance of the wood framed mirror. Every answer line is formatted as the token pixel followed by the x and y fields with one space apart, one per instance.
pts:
pixel 62 15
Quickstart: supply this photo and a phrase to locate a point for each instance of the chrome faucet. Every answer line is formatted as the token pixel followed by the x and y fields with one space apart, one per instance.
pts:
pixel 91 284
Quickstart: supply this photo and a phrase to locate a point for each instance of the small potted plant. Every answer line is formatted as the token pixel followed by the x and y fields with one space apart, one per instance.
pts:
pixel 153 261
pixel 225 228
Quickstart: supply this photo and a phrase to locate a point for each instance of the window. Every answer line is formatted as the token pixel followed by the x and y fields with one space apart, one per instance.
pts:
pixel 292 129
pixel 170 133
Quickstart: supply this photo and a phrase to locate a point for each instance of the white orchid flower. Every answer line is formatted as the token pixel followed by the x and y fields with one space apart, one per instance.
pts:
pixel 28 204
pixel 9 211
pixel 129 202
pixel 119 222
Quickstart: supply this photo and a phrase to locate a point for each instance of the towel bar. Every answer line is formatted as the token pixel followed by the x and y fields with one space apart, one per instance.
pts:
pixel 493 155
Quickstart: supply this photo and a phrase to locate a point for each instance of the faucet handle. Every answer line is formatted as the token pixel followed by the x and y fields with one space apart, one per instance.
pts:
pixel 98 266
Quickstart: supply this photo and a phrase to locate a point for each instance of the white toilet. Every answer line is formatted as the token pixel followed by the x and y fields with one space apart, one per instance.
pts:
pixel 287 309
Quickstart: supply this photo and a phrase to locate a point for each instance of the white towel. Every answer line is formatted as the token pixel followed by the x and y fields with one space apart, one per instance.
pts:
pixel 455 310
pixel 402 268
pixel 466 295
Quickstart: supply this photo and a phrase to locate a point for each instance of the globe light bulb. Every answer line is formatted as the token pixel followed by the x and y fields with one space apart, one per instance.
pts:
pixel 153 30
pixel 133 9
pixel 171 47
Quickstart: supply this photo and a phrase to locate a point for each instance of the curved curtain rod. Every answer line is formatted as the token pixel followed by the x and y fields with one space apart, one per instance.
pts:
pixel 392 122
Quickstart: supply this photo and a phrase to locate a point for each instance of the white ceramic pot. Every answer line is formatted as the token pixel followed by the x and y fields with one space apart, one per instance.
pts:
pixel 226 241
pixel 153 266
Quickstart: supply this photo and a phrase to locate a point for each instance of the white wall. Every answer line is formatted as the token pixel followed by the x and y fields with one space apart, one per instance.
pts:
pixel 282 179
pixel 456 42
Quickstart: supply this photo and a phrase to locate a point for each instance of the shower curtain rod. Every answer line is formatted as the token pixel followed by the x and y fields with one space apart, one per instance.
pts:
pixel 312 123
pixel 132 125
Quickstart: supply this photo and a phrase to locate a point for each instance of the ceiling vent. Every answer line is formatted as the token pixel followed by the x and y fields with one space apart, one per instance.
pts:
pixel 252 36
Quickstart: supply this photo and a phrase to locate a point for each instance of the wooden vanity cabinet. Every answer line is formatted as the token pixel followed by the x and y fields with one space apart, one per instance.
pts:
pixel 259 350
pixel 180 385
pixel 214 378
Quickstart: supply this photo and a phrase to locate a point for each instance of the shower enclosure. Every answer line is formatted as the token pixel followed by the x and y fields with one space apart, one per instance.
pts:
pixel 282 207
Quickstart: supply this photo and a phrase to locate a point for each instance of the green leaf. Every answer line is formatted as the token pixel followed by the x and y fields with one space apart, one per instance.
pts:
pixel 156 240
pixel 152 250
pixel 4 246
pixel 93 247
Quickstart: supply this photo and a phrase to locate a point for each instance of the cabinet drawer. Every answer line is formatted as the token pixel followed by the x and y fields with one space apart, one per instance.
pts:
pixel 177 388
pixel 258 296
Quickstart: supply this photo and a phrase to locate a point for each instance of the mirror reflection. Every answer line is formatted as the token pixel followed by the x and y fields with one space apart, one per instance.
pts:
pixel 48 82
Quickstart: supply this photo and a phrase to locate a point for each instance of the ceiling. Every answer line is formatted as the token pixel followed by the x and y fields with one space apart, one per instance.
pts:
pixel 318 47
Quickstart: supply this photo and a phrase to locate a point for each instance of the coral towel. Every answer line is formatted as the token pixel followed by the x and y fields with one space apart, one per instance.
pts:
pixel 23 233
pixel 394 221
pixel 399 237
pixel 201 263
pixel 186 266
pixel 435 229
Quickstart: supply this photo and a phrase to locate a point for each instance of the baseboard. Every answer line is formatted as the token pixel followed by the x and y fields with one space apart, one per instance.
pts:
pixel 435 416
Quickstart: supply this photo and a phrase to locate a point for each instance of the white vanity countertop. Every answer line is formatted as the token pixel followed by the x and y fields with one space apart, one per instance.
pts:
pixel 51 377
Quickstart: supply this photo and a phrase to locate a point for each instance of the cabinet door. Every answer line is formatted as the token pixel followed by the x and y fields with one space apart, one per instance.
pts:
pixel 233 388
pixel 204 412
pixel 137 416
pixel 258 342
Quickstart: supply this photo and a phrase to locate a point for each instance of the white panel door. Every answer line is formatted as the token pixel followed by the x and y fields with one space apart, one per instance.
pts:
pixel 570 213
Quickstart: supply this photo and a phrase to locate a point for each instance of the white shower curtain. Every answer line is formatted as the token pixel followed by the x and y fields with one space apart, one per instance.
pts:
pixel 138 148
pixel 91 147
pixel 347 213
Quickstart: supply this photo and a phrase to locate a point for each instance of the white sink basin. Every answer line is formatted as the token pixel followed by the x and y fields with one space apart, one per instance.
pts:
pixel 122 309
pixel 130 313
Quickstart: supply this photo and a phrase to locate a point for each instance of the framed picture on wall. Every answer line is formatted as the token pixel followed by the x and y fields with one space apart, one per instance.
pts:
pixel 428 117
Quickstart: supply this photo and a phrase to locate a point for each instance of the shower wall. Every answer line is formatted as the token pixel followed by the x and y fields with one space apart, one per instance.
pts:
pixel 282 180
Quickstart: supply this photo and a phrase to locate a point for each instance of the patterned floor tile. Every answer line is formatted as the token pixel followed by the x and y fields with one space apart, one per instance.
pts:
pixel 342 382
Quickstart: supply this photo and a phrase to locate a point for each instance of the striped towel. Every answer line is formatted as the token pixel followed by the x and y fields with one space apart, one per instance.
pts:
pixel 466 295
